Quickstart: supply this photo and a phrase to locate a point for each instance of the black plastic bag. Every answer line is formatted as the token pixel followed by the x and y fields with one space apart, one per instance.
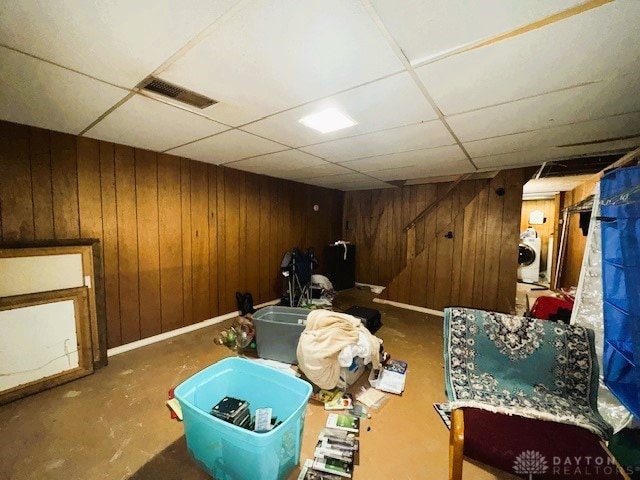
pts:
pixel 245 303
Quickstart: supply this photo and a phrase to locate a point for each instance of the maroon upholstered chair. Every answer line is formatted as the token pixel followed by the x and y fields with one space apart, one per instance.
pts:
pixel 534 449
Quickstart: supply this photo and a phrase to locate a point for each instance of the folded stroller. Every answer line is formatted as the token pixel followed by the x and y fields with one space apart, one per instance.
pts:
pixel 297 268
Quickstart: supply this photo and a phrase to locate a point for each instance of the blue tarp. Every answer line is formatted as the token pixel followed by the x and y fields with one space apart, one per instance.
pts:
pixel 620 216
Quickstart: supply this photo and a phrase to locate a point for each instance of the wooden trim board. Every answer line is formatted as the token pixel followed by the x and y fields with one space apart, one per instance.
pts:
pixel 79 296
pixel 179 331
pixel 91 281
pixel 407 306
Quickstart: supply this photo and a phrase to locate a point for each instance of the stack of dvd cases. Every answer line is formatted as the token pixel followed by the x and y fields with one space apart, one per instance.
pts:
pixel 336 451
pixel 234 411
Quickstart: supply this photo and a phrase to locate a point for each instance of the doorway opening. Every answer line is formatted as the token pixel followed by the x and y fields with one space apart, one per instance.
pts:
pixel 536 248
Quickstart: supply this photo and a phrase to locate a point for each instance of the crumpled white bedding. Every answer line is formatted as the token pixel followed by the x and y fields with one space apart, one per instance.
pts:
pixel 331 340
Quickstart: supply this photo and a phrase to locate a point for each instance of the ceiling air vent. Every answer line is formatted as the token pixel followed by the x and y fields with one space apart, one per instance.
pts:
pixel 170 90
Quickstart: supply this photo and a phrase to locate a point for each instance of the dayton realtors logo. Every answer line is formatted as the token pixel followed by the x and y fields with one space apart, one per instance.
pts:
pixel 533 463
pixel 530 462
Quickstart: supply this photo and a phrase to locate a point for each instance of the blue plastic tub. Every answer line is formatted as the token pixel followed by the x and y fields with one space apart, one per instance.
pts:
pixel 229 452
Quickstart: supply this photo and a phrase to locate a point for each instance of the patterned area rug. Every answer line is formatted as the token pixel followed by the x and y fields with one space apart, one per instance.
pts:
pixel 522 366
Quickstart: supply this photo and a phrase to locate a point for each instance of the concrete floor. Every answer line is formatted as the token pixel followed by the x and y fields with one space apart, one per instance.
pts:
pixel 114 424
pixel 524 290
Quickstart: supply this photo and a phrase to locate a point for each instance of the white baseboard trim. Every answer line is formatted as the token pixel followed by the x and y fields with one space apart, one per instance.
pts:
pixel 407 306
pixel 358 284
pixel 178 331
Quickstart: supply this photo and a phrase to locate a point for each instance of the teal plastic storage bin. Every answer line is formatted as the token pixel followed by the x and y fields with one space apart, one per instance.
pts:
pixel 228 452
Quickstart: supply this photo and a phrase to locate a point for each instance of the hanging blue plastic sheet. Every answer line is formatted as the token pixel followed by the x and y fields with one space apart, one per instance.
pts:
pixel 620 210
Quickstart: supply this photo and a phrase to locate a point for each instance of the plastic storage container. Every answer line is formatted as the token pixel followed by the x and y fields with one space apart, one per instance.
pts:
pixel 226 451
pixel 350 375
pixel 620 225
pixel 278 331
pixel 370 317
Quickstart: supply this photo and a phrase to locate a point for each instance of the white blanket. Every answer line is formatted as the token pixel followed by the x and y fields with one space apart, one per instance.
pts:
pixel 324 337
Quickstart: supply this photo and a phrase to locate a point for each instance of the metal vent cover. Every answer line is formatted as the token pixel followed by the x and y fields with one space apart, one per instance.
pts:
pixel 175 92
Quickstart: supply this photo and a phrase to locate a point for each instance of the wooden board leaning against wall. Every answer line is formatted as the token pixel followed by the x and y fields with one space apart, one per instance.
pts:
pixel 44 257
pixel 42 346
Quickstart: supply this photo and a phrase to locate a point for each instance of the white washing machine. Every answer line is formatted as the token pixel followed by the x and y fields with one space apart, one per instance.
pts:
pixel 529 260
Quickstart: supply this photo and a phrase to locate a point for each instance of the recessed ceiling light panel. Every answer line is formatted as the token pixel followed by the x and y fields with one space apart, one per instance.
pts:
pixel 328 120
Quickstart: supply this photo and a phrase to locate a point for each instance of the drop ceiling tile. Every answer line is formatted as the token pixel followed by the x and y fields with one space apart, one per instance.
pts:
pixel 621 147
pixel 597 100
pixel 365 186
pixel 430 157
pixel 278 164
pixel 346 182
pixel 153 125
pixel 116 41
pixel 227 147
pixel 519 159
pixel 589 131
pixel 37 93
pixel 592 46
pixel 548 154
pixel 412 137
pixel 456 167
pixel 270 56
pixel 427 29
pixel 317 171
pixel 386 103
pixel 553 184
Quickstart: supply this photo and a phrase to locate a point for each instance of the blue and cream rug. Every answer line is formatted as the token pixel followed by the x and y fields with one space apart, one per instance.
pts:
pixel 522 366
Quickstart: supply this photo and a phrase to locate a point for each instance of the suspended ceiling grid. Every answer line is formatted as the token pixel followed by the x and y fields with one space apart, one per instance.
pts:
pixel 437 88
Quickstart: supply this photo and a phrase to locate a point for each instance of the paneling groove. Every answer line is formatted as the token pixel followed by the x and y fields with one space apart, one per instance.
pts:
pixel 16 184
pixel 40 152
pixel 178 237
pixel 200 240
pixel 187 269
pixel 170 243
pixel 222 242
pixel 110 242
pixel 146 169
pixel 64 182
pixel 273 237
pixel 265 236
pixel 128 266
pixel 232 234
pixel 214 302
pixel 252 231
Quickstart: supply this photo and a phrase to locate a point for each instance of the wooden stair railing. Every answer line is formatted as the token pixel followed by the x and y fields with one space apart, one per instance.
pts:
pixel 434 205
pixel 410 228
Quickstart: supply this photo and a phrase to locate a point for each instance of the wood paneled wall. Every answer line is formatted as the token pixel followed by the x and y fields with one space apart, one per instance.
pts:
pixel 179 237
pixel 548 207
pixel 475 268
pixel 374 220
pixel 576 240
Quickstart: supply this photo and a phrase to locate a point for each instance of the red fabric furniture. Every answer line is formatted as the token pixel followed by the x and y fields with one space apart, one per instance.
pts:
pixel 547 450
pixel 552 308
